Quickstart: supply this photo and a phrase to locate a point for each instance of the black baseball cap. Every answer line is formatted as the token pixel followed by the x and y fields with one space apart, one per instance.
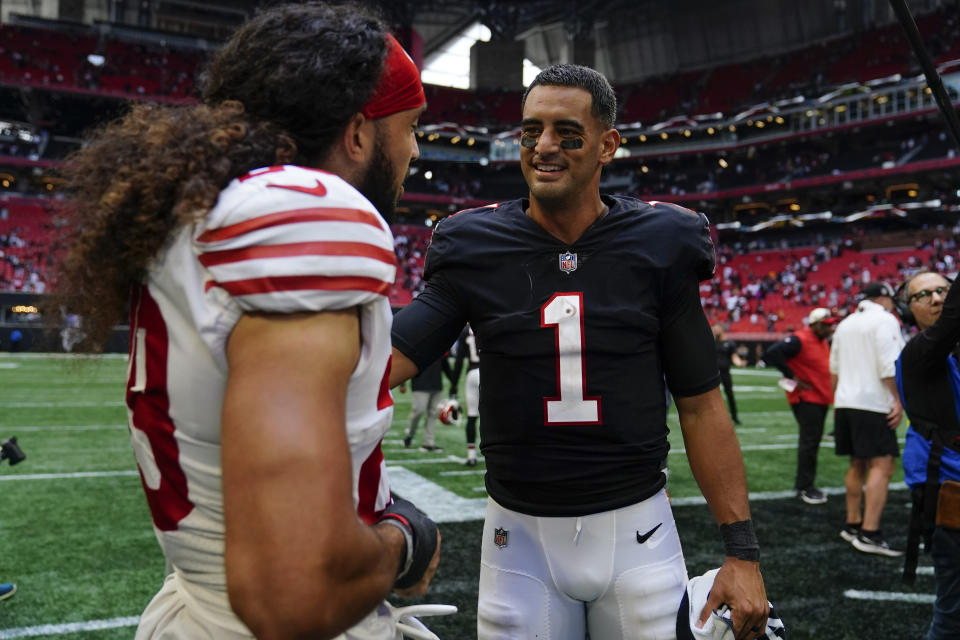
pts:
pixel 877 289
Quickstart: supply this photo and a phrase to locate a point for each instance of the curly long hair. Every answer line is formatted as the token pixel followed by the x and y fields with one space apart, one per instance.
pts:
pixel 280 91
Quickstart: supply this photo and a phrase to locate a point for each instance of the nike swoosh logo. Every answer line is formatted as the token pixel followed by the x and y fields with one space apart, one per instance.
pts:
pixel 318 190
pixel 643 538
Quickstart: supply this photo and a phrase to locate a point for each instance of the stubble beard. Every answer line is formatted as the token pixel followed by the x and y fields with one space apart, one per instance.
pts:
pixel 378 184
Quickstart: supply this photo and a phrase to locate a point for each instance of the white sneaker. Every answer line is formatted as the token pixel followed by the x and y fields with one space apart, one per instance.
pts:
pixel 876 545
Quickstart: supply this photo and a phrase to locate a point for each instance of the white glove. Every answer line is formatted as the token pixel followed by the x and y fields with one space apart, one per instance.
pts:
pixel 409 626
pixel 388 621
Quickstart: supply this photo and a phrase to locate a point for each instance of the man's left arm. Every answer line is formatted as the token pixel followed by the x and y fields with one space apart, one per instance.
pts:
pixel 890 343
pixel 690 366
pixel 717 464
pixel 896 407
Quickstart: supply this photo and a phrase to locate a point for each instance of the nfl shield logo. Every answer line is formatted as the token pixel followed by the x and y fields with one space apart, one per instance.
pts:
pixel 568 262
pixel 500 537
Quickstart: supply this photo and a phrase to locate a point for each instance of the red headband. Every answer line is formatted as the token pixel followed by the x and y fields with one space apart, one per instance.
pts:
pixel 399 88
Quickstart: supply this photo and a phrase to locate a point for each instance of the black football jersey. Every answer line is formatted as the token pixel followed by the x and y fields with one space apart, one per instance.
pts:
pixel 575 345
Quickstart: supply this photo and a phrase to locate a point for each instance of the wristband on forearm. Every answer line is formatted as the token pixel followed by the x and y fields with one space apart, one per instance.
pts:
pixel 422 538
pixel 408 541
pixel 740 540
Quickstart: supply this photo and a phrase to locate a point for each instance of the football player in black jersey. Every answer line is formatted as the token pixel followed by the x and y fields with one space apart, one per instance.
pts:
pixel 582 306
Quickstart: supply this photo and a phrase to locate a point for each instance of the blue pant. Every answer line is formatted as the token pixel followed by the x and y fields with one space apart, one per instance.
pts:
pixel 946 567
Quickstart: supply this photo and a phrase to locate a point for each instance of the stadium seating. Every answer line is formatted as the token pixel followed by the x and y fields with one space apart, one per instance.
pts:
pixel 27 244
pixel 31 56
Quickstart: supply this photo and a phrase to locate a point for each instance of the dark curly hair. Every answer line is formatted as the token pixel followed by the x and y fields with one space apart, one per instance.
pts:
pixel 604 100
pixel 280 91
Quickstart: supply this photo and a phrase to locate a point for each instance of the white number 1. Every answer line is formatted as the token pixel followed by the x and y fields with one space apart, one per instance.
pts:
pixel 564 311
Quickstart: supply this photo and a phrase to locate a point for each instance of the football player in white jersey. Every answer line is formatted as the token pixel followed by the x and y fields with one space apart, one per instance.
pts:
pixel 467 352
pixel 245 237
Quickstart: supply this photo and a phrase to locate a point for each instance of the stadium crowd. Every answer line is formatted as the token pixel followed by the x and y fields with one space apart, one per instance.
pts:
pixel 762 283
pixel 743 295
pixel 769 290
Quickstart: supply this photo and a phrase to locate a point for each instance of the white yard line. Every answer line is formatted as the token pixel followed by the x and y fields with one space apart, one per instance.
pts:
pixel 63 356
pixel 439 503
pixel 758 496
pixel 68 627
pixel 65 427
pixel 766 373
pixel 76 474
pixel 24 405
pixel 888 596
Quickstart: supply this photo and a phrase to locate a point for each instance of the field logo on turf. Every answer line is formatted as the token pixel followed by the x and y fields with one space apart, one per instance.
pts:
pixel 500 537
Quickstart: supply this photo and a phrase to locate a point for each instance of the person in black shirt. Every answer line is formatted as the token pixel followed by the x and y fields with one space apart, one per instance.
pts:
pixel 929 381
pixel 582 305
pixel 727 354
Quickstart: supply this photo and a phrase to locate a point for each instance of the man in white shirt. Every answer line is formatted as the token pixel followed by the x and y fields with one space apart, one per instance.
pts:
pixel 867 412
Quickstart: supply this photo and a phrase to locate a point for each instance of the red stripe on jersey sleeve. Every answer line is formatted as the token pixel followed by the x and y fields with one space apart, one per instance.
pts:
pixel 369 486
pixel 352 249
pixel 313 214
pixel 262 171
pixel 274 284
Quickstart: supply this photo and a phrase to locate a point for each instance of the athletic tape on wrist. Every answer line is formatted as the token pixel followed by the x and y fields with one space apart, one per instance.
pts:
pixel 740 540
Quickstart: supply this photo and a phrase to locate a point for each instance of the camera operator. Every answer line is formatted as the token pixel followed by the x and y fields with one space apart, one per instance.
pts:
pixel 929 382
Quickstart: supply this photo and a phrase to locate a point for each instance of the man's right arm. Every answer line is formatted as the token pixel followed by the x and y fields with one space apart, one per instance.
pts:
pixel 778 353
pixel 298 559
pixel 402 368
pixel 425 329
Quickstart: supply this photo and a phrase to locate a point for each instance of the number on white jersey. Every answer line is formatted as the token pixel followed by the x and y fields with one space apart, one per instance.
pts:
pixel 155 446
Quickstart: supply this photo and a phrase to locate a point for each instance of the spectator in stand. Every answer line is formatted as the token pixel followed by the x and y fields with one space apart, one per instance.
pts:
pixel 867 412
pixel 727 354
pixel 804 360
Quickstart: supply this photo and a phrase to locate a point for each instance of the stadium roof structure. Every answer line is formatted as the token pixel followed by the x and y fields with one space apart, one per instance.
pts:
pixel 627 39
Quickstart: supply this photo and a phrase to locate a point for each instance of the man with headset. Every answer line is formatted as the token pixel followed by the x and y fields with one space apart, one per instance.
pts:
pixel 929 382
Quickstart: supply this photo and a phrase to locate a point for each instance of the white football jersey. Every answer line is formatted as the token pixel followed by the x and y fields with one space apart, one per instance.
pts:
pixel 279 240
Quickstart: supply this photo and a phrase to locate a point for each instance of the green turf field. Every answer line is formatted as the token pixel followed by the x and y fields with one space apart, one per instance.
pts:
pixel 75 532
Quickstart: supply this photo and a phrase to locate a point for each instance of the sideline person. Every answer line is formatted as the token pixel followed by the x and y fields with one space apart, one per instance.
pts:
pixel 727 355
pixel 867 411
pixel 804 360
pixel 929 381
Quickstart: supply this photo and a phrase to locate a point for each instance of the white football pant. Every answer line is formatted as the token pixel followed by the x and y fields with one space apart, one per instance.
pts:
pixel 472 393
pixel 557 578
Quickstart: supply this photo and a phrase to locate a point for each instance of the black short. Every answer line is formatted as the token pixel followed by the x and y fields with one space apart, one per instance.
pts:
pixel 864 434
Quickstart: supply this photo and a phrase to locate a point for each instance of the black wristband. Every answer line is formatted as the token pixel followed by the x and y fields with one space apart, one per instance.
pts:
pixel 421 540
pixel 407 555
pixel 740 540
